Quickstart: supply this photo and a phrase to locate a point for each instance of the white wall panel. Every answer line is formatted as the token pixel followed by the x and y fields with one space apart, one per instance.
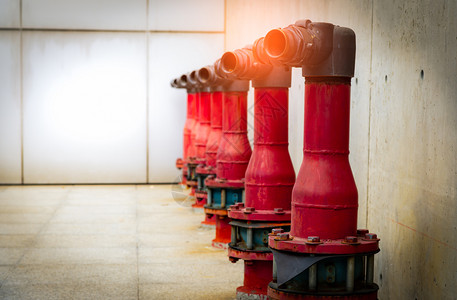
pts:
pixel 171 55
pixel 10 108
pixel 9 13
pixel 84 107
pixel 183 15
pixel 85 14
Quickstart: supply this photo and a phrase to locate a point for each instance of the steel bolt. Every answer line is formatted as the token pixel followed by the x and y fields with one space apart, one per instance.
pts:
pixel 314 239
pixel 282 237
pixel 371 236
pixel 277 231
pixel 351 239
pixel 279 211
pixel 233 207
pixel 249 210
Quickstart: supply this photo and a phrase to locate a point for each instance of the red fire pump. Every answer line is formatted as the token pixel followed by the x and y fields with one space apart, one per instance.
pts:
pixel 323 256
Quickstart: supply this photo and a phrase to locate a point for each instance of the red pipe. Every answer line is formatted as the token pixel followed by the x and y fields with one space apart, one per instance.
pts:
pixel 324 198
pixel 192 125
pixel 216 129
pixel 234 150
pixel 270 175
pixel 257 275
pixel 204 129
pixel 214 85
pixel 190 122
pixel 223 231
pixel 196 108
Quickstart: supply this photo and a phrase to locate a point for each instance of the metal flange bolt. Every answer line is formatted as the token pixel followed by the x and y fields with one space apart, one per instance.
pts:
pixel 313 240
pixel 282 237
pixel 351 240
pixel 277 231
pixel 249 210
pixel 233 207
pixel 279 211
pixel 371 237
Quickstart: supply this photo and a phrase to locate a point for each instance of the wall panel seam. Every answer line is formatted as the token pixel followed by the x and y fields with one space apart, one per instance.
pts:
pixel 369 115
pixel 21 85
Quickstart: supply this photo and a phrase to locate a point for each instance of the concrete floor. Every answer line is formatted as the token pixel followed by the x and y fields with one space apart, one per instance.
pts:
pixel 108 242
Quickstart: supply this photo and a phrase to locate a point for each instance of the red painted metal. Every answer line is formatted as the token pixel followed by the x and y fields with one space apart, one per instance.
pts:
pixel 215 134
pixel 201 138
pixel 232 157
pixel 184 175
pixel 270 175
pixel 188 125
pixel 210 220
pixel 257 275
pixel 234 149
pixel 200 197
pixel 252 214
pixel 191 150
pixel 208 79
pixel 193 82
pixel 234 255
pixel 325 197
pixel 327 246
pixel 223 232
pixel 280 295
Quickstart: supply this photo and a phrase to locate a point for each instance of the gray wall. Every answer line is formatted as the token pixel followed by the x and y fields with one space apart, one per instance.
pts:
pixel 403 128
pixel 84 86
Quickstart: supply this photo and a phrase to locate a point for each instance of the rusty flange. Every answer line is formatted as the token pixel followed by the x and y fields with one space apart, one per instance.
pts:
pixel 235 254
pixel 285 242
pixel 239 212
pixel 219 212
pixel 205 170
pixel 212 182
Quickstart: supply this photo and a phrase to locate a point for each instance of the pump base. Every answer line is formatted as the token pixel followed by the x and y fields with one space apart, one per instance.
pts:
pixel 243 293
pixel 223 232
pixel 210 221
pixel 279 294
pixel 200 199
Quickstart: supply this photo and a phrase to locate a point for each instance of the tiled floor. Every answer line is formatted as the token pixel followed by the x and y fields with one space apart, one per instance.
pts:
pixel 108 242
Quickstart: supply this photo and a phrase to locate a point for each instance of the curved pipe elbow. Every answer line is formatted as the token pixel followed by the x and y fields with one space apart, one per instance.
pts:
pixel 192 81
pixel 241 64
pixel 174 83
pixel 259 53
pixel 181 82
pixel 300 44
pixel 287 45
pixel 207 76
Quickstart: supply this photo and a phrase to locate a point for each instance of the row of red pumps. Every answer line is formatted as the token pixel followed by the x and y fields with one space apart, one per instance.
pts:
pixel 297 236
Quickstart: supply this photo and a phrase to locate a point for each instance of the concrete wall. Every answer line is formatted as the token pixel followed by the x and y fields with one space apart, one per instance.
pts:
pixel 84 86
pixel 403 128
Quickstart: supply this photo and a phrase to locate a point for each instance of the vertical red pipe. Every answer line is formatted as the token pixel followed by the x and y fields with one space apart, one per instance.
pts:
pixel 234 149
pixel 257 275
pixel 270 174
pixel 203 130
pixel 324 198
pixel 216 130
pixel 192 148
pixel 188 125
